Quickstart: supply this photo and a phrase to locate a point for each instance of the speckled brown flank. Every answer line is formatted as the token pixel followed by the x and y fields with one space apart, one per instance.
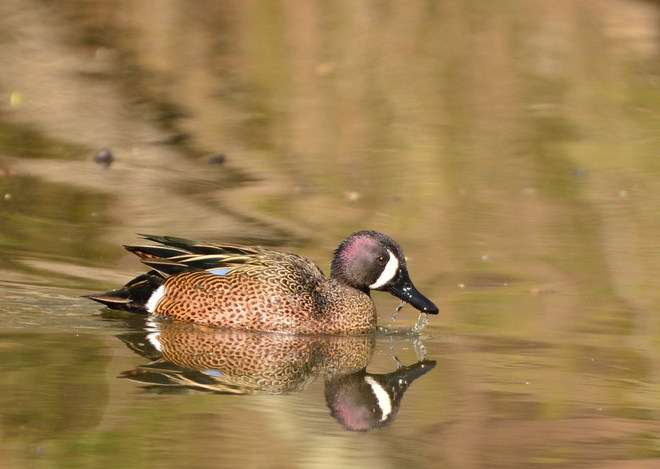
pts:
pixel 281 298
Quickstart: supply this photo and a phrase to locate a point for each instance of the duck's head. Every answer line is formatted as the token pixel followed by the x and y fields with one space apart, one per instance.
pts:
pixel 369 260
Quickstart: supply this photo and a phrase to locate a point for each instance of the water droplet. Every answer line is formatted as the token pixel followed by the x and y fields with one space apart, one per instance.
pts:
pixel 422 321
pixel 398 308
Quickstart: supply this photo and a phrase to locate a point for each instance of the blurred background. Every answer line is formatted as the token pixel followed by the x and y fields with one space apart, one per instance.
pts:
pixel 512 148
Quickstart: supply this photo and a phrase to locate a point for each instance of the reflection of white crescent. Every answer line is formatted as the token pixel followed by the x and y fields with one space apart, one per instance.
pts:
pixel 381 396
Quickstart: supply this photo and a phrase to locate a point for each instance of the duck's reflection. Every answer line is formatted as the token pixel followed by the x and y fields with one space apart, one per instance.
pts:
pixel 189 357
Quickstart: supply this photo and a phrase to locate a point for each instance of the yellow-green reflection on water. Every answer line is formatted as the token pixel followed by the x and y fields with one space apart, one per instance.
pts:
pixel 510 147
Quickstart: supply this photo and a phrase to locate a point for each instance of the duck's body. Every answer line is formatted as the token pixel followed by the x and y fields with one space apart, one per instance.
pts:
pixel 272 292
pixel 255 288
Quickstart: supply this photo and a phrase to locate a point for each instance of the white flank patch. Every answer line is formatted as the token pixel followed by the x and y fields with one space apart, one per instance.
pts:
pixel 389 272
pixel 155 298
pixel 382 397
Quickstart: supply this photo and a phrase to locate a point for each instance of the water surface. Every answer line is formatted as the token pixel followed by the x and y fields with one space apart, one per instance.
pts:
pixel 509 147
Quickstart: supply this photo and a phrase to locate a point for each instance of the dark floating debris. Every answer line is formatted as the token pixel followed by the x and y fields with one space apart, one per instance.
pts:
pixel 218 158
pixel 538 291
pixel 580 173
pixel 104 158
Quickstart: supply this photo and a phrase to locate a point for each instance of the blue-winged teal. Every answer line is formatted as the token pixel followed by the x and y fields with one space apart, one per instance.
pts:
pixel 249 287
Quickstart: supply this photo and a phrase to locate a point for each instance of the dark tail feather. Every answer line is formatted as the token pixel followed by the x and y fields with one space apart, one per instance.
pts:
pixel 155 252
pixel 133 296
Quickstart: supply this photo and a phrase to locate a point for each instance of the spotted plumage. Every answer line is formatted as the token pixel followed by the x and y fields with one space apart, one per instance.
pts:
pixel 248 362
pixel 247 287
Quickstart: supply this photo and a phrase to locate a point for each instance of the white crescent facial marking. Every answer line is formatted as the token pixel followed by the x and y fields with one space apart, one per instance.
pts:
pixel 382 397
pixel 155 298
pixel 388 273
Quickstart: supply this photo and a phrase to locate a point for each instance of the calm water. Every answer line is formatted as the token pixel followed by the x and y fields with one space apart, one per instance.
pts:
pixel 512 148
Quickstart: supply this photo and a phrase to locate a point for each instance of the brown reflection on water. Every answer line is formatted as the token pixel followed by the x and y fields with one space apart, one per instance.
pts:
pixel 187 357
pixel 510 147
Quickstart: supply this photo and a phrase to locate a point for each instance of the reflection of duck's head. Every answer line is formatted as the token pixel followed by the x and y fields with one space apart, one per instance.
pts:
pixel 362 401
pixel 246 362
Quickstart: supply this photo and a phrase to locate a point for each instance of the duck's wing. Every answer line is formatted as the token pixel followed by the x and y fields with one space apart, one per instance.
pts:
pixel 176 255
pixel 171 246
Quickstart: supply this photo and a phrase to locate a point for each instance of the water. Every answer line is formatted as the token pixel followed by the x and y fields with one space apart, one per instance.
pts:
pixel 509 147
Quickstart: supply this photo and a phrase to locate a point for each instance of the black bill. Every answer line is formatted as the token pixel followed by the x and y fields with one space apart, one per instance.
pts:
pixel 404 289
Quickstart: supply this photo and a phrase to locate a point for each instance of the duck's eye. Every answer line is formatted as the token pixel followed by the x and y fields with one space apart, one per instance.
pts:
pixel 382 260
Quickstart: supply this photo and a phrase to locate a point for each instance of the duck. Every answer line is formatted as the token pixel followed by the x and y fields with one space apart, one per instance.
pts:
pixel 254 288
